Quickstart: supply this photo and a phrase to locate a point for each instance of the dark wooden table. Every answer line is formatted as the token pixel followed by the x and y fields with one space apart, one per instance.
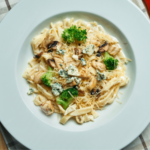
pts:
pixel 2 143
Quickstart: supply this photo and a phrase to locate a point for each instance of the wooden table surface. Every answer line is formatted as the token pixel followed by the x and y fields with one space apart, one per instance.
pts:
pixel 2 143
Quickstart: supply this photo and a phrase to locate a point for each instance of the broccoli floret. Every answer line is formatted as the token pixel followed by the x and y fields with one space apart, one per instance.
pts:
pixel 110 62
pixel 66 97
pixel 46 77
pixel 74 33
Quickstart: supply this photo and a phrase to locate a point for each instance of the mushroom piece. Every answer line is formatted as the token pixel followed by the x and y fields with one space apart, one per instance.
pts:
pixel 81 93
pixel 95 91
pixel 78 52
pixel 40 42
pixel 48 108
pixel 98 96
pixel 104 47
pixel 73 83
pixel 54 46
pixel 98 65
pixel 37 77
pixel 38 55
pixel 51 62
pixel 59 63
pixel 92 83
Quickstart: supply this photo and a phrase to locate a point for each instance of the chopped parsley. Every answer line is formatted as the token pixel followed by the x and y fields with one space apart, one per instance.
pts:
pixel 73 34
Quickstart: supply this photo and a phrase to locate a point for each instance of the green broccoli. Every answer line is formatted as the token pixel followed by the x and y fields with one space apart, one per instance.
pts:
pixel 46 77
pixel 66 97
pixel 74 33
pixel 110 62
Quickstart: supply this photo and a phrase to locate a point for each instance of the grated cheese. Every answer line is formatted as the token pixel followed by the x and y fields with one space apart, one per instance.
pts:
pixel 118 102
pixel 70 94
pixel 96 37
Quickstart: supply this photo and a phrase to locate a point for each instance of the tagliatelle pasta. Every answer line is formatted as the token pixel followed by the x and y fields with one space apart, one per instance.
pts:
pixel 83 67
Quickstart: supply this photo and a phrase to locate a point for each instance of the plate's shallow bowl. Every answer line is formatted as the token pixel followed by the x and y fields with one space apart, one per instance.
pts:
pixel 25 54
pixel 37 131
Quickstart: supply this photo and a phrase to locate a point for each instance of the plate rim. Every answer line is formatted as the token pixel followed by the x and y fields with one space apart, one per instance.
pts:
pixel 23 1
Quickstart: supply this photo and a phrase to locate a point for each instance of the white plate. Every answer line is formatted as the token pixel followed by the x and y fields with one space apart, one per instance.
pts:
pixel 118 124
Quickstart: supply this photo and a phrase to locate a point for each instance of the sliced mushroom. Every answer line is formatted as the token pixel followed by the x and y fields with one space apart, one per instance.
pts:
pixel 81 93
pixel 78 52
pixel 98 96
pixel 40 41
pixel 98 65
pixel 104 47
pixel 47 108
pixel 59 63
pixel 51 62
pixel 73 83
pixel 95 91
pixel 54 46
pixel 92 83
pixel 37 77
pixel 38 55
pixel 103 44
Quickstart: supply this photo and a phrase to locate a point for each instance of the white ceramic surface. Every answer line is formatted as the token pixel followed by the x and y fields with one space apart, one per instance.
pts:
pixel 118 124
pixel 25 54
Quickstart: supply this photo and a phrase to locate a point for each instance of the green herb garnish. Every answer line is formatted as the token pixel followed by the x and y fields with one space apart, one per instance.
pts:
pixel 46 77
pixel 110 62
pixel 73 34
pixel 66 97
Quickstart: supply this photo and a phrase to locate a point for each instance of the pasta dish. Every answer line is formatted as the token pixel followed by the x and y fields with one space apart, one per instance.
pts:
pixel 77 69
